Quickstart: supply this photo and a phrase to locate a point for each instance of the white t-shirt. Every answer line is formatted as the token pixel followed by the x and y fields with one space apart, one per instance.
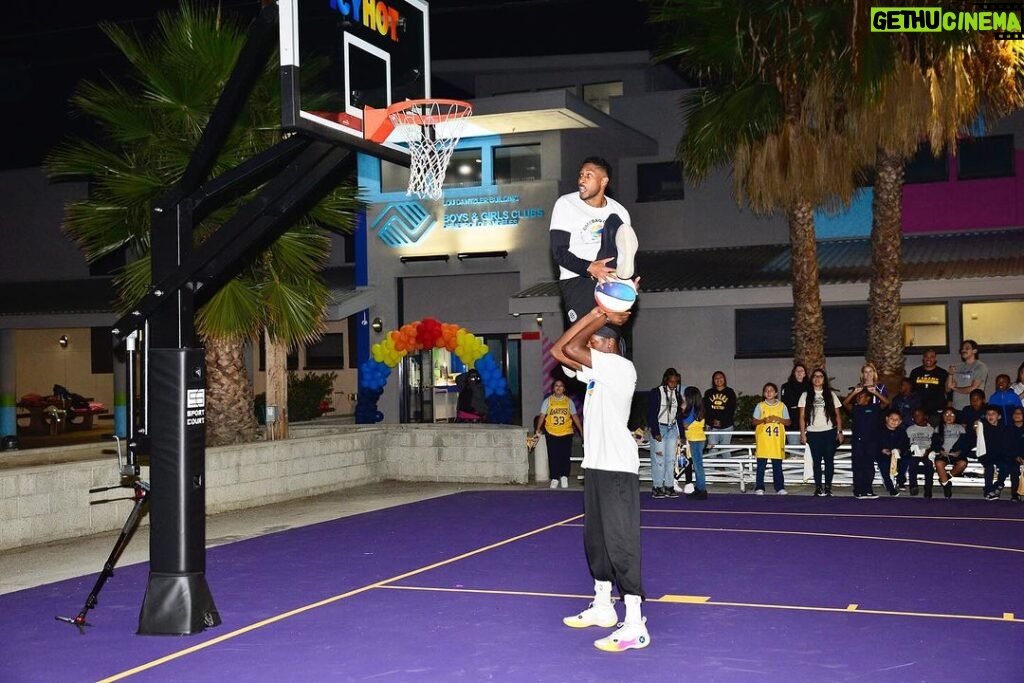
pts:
pixel 584 223
pixel 607 442
pixel 816 421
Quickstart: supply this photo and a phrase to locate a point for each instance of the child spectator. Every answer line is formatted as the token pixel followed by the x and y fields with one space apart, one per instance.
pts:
pixel 1017 448
pixel 973 412
pixel 821 428
pixel 771 417
pixel 1005 398
pixel 906 402
pixel 866 425
pixel 916 461
pixel 664 406
pixel 947 449
pixel 693 421
pixel 893 442
pixel 998 455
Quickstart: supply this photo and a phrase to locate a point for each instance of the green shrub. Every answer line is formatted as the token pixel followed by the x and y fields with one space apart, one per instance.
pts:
pixel 745 411
pixel 307 396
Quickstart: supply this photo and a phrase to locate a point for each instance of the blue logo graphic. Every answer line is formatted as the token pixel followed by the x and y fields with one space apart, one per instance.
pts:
pixel 402 224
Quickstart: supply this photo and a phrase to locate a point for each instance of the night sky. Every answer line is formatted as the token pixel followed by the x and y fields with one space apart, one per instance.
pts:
pixel 46 48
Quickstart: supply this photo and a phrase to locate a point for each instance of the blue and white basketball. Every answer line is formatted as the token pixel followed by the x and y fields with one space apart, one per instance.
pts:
pixel 615 295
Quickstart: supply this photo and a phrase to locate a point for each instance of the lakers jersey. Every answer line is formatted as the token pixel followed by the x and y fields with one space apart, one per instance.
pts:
pixel 557 421
pixel 770 437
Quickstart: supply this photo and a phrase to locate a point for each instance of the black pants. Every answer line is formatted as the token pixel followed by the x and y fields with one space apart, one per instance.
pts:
pixel 823 451
pixel 913 466
pixel 611 528
pixel 578 292
pixel 559 452
pixel 862 461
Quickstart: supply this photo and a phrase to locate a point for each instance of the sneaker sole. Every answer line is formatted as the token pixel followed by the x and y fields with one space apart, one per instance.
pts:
pixel 626 245
pixel 621 646
pixel 573 622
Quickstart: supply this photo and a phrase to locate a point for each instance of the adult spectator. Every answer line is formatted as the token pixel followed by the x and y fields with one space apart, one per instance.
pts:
pixel 664 412
pixel 968 375
pixel 821 428
pixel 796 386
pixel 471 406
pixel 719 411
pixel 929 384
pixel 1018 386
pixel 557 418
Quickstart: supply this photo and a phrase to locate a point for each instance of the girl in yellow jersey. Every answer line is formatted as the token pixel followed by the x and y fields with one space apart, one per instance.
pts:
pixel 771 417
pixel 557 417
pixel 693 420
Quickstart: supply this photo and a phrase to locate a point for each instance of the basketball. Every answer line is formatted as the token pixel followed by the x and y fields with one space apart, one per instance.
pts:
pixel 615 295
pixel 688 489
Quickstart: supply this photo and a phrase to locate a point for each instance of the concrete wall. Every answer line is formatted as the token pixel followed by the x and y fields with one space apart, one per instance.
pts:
pixel 49 502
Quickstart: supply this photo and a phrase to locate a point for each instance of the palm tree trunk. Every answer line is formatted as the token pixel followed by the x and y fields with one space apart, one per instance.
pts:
pixel 229 415
pixel 277 386
pixel 808 321
pixel 885 331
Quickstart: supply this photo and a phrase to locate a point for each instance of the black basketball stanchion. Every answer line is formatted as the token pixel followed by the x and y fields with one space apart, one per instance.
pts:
pixel 129 473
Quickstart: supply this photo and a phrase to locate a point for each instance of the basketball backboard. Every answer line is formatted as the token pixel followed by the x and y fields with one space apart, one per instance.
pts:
pixel 365 53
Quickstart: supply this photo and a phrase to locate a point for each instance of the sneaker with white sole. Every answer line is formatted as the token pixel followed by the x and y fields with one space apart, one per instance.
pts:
pixel 595 615
pixel 758 492
pixel 782 492
pixel 564 482
pixel 626 245
pixel 554 484
pixel 629 636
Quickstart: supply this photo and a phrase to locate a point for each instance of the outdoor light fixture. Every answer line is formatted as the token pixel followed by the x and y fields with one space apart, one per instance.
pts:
pixel 420 259
pixel 462 255
pixel 377 325
pixel 63 341
pixel 540 319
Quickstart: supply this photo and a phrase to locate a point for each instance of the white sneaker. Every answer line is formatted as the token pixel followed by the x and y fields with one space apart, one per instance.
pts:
pixel 625 245
pixel 782 492
pixel 676 487
pixel 554 484
pixel 758 492
pixel 595 615
pixel 564 481
pixel 632 636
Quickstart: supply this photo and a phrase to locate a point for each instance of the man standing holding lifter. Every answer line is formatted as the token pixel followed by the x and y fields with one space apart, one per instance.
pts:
pixel 611 492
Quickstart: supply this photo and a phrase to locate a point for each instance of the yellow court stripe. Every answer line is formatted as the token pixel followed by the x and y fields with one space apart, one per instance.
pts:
pixel 707 601
pixel 327 601
pixel 862 537
pixel 939 518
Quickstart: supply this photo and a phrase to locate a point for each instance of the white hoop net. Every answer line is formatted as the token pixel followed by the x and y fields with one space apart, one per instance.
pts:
pixel 432 129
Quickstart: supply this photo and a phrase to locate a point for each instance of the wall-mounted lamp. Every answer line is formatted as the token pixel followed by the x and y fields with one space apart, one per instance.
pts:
pixel 377 325
pixel 540 319
pixel 463 255
pixel 515 315
pixel 63 341
pixel 424 258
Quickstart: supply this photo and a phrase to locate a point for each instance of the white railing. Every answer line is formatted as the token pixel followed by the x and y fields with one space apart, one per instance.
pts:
pixel 735 463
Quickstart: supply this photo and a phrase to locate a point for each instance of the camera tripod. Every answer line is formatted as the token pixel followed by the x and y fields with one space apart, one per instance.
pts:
pixel 140 496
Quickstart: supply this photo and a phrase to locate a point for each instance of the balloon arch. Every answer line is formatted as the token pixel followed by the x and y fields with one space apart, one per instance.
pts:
pixel 428 334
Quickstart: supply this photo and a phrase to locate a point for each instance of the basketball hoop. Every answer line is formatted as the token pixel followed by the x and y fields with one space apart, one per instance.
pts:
pixel 431 129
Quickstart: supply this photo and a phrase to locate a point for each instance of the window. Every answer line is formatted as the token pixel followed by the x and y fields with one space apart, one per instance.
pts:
pixel 924 327
pixel 393 178
pixel 517 163
pixel 101 350
pixel 599 95
pixel 995 325
pixel 328 353
pixel 767 332
pixel 925 167
pixel 291 360
pixel 464 169
pixel 659 182
pixel 988 157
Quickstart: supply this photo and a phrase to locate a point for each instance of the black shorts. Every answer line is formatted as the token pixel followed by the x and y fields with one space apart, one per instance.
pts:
pixel 951 459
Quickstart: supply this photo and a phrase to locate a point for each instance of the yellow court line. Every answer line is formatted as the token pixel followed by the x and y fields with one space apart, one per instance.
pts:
pixel 862 537
pixel 306 608
pixel 707 601
pixel 931 518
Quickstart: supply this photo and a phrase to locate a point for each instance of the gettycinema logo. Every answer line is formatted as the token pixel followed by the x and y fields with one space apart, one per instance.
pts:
pixel 403 224
pixel 1001 18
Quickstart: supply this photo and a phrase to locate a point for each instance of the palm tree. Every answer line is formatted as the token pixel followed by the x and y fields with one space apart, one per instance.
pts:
pixel 908 89
pixel 765 107
pixel 148 125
